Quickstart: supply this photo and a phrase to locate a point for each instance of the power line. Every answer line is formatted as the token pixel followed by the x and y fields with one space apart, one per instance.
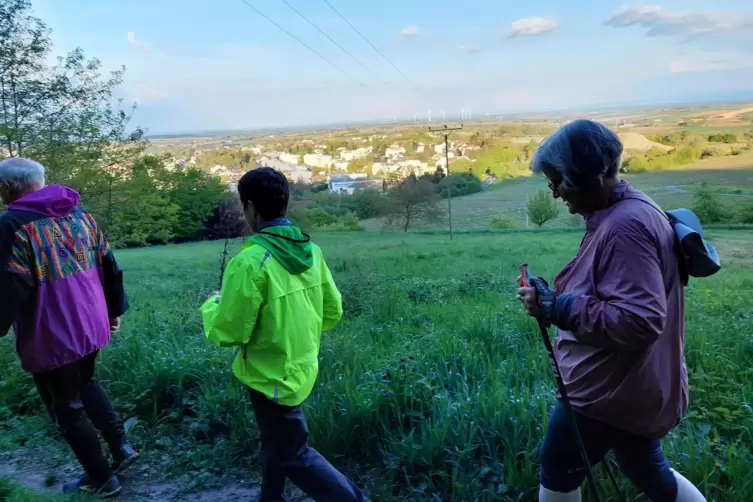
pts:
pixel 337 44
pixel 334 42
pixel 406 77
pixel 305 45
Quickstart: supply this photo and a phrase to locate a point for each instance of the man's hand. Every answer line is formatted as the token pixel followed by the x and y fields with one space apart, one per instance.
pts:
pixel 114 325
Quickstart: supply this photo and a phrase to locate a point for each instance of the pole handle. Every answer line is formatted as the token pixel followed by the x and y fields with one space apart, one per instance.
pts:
pixel 525 276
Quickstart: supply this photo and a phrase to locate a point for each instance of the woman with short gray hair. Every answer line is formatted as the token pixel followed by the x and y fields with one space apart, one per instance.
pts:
pixel 619 309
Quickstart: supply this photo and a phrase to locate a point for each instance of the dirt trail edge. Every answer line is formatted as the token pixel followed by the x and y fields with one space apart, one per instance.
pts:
pixel 138 485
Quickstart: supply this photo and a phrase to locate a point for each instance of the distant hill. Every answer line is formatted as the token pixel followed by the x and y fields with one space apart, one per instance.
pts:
pixel 638 142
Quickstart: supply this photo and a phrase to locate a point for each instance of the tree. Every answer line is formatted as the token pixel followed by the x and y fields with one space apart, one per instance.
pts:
pixel 380 147
pixel 196 194
pixel 411 201
pixel 542 207
pixel 61 115
pixel 144 212
pixel 357 165
pixel 227 221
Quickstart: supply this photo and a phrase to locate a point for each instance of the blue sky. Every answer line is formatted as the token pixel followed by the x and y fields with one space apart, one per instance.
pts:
pixel 204 65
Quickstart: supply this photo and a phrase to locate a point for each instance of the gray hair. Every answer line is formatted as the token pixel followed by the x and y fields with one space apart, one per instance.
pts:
pixel 583 152
pixel 21 174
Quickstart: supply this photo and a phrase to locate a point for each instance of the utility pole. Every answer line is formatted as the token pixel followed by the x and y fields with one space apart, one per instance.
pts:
pixel 446 131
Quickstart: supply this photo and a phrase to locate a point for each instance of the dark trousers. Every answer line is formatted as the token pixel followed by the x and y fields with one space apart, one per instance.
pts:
pixel 79 406
pixel 641 459
pixel 287 454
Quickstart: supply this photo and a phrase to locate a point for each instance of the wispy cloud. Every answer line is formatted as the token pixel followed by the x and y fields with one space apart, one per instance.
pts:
pixel 684 24
pixel 699 64
pixel 469 49
pixel 410 31
pixel 532 26
pixel 139 45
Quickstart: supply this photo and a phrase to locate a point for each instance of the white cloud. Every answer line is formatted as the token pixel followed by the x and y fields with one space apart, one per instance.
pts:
pixel 532 26
pixel 139 45
pixel 409 31
pixel 684 24
pixel 469 49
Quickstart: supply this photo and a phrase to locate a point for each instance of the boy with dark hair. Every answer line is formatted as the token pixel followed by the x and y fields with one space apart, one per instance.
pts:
pixel 277 297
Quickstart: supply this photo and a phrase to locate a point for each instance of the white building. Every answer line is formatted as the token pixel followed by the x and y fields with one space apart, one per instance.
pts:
pixel 404 167
pixel 219 170
pixel 278 165
pixel 347 185
pixel 395 152
pixel 290 158
pixel 299 175
pixel 420 148
pixel 318 160
pixel 356 154
pixel 440 147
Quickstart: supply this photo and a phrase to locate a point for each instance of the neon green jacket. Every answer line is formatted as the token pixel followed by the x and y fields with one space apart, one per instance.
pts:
pixel 277 297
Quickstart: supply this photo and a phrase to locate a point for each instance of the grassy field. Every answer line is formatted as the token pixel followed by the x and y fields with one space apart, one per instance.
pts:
pixel 731 176
pixel 434 386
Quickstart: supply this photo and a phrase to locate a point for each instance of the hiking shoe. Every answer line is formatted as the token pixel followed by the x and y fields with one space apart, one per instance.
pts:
pixel 124 458
pixel 82 486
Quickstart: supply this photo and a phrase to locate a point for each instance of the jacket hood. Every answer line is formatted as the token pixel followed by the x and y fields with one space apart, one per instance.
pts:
pixel 51 201
pixel 289 246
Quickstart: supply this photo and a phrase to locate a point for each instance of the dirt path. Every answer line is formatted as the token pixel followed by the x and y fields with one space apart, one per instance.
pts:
pixel 139 484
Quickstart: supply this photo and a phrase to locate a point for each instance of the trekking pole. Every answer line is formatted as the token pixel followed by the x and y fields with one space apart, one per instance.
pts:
pixel 528 281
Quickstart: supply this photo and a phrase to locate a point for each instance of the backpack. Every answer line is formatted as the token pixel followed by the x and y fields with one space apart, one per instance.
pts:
pixel 697 258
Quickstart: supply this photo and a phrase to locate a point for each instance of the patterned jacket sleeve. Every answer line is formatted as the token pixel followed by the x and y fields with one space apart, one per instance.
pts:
pixel 112 274
pixel 16 281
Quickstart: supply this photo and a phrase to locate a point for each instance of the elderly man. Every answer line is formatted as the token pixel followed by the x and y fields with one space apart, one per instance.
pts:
pixel 62 291
pixel 619 308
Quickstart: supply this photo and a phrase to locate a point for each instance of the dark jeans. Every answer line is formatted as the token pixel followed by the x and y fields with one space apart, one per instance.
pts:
pixel 287 454
pixel 78 404
pixel 640 459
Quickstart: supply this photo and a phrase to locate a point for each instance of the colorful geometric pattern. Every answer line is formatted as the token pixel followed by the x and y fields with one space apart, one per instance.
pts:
pixel 59 247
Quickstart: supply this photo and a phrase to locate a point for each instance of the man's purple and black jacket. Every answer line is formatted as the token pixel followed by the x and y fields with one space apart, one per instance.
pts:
pixel 59 281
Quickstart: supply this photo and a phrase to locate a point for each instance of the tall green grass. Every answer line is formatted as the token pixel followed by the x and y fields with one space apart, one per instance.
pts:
pixel 435 385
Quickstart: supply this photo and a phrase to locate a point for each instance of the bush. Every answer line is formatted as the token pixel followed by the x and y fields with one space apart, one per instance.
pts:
pixel 501 222
pixel 726 137
pixel 461 184
pixel 542 207
pixel 575 220
pixel 744 212
pixel 708 206
pixel 634 165
pixel 347 223
pixel 318 219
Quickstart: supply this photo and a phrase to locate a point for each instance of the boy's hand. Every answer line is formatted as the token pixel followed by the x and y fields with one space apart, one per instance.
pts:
pixel 114 325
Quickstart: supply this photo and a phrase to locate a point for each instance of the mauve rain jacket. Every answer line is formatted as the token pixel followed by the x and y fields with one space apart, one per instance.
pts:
pixel 623 361
pixel 59 281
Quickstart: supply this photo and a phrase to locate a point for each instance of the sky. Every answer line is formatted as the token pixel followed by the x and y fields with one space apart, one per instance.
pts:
pixel 199 65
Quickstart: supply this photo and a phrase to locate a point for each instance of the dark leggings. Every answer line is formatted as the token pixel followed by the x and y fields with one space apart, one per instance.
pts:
pixel 287 455
pixel 79 406
pixel 640 459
